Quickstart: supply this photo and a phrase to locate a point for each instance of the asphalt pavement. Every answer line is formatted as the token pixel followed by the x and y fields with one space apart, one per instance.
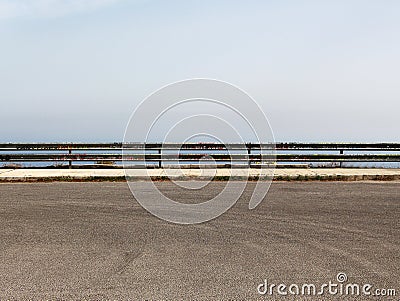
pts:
pixel 93 241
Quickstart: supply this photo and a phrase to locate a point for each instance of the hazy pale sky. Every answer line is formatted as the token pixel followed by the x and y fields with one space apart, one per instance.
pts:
pixel 321 70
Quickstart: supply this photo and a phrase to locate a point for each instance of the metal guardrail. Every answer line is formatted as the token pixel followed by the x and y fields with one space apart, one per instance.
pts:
pixel 158 155
pixel 277 146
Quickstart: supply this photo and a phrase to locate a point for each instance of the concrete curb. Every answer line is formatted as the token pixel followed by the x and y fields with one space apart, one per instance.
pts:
pixel 76 175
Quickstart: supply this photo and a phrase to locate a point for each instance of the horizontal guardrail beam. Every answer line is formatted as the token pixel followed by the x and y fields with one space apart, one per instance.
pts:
pixel 198 157
pixel 198 146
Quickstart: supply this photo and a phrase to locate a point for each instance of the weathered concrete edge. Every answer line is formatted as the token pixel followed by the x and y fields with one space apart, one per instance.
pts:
pixel 303 178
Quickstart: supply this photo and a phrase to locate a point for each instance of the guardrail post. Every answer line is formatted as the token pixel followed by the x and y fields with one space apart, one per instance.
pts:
pixel 341 162
pixel 248 154
pixel 159 162
pixel 69 161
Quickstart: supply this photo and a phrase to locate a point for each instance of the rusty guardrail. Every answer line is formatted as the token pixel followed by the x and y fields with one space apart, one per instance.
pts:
pixel 253 154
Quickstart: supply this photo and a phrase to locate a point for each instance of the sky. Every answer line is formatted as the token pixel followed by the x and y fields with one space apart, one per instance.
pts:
pixel 321 70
